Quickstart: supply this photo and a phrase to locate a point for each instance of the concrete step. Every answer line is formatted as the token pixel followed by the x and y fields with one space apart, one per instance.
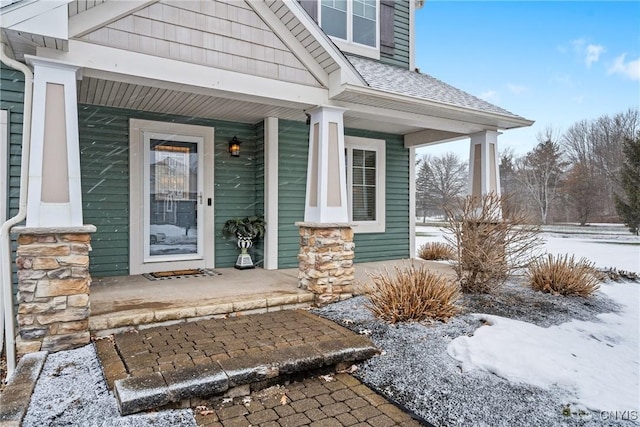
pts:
pixel 167 365
pixel 109 323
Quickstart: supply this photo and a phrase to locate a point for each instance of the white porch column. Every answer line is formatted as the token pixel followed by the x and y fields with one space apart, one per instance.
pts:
pixel 271 192
pixel 55 198
pixel 484 175
pixel 326 198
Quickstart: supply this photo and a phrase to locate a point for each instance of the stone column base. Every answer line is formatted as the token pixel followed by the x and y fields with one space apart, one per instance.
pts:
pixel 326 260
pixel 53 288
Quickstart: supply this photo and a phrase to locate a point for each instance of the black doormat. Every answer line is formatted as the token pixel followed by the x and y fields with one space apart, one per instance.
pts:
pixel 181 274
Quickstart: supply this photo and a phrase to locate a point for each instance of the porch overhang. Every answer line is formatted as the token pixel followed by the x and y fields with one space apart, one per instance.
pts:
pixel 450 121
pixel 141 69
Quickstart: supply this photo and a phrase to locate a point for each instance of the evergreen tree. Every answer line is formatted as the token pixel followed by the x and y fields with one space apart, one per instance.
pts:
pixel 628 207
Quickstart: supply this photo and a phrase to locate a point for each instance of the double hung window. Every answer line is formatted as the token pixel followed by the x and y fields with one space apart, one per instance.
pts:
pixel 366 183
pixel 354 21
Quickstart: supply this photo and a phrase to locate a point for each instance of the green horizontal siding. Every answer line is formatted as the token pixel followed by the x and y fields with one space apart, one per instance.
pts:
pixel 12 100
pixel 393 244
pixel 104 167
pixel 293 144
pixel 401 33
pixel 104 158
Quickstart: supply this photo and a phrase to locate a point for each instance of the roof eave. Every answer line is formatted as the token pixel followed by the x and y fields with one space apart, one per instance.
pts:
pixel 503 121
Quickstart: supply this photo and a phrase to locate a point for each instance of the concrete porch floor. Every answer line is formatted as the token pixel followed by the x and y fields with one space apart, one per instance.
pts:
pixel 134 301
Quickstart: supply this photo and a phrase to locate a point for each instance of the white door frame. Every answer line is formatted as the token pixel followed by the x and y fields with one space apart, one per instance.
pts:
pixel 138 129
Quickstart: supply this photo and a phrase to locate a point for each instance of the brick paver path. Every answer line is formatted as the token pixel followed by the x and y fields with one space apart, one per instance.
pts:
pixel 209 341
pixel 333 400
pixel 172 359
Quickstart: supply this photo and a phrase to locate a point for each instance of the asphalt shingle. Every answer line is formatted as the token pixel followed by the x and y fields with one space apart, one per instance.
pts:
pixel 390 78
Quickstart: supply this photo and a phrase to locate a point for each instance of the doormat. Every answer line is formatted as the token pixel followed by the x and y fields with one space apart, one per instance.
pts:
pixel 181 274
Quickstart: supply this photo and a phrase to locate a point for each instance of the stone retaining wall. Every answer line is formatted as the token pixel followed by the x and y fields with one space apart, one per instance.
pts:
pixel 53 290
pixel 326 261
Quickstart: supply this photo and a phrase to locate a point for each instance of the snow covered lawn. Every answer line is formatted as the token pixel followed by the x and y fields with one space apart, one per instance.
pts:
pixel 518 358
pixel 596 360
pixel 532 359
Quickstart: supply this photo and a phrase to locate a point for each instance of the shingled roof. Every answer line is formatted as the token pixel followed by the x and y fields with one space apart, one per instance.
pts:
pixel 390 78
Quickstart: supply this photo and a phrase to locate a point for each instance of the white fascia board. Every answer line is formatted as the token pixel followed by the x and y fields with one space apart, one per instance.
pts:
pixel 133 67
pixel 46 18
pixel 348 74
pixel 426 137
pixel 474 116
pixel 297 49
pixel 102 15
pixel 408 119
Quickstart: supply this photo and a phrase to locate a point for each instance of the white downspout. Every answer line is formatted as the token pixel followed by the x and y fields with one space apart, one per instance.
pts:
pixel 6 284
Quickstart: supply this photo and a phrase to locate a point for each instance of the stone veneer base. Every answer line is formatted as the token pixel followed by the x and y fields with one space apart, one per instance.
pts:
pixel 53 288
pixel 326 260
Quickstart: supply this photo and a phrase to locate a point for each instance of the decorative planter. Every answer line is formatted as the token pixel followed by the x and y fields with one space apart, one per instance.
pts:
pixel 244 261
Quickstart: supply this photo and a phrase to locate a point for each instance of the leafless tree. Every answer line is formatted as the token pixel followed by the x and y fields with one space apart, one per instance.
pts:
pixel 540 171
pixel 594 148
pixel 441 179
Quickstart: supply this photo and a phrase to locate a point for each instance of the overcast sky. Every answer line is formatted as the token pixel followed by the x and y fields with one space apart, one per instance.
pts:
pixel 550 61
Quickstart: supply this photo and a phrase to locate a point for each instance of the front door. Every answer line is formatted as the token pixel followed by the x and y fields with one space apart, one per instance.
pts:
pixel 171 197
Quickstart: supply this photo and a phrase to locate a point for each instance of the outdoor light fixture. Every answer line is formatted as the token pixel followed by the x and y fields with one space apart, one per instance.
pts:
pixel 234 147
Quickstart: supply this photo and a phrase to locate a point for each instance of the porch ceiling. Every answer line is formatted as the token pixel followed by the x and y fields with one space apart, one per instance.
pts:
pixel 111 93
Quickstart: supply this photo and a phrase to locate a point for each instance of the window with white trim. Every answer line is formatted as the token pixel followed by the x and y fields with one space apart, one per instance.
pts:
pixel 366 183
pixel 354 21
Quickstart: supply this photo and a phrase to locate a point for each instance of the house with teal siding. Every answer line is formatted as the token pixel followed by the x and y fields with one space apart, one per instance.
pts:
pixel 117 119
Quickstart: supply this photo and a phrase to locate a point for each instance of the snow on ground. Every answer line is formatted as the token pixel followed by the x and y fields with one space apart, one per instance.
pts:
pixel 520 371
pixel 416 370
pixel 596 360
pixel 519 357
pixel 71 391
pixel 605 248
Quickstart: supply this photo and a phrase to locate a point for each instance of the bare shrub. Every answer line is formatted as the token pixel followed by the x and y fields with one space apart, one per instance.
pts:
pixel 436 251
pixel 489 245
pixel 562 275
pixel 412 294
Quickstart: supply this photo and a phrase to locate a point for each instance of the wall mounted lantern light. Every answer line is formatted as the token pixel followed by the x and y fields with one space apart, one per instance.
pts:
pixel 234 147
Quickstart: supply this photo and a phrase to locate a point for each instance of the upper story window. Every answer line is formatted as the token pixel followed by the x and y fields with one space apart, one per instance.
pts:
pixel 354 22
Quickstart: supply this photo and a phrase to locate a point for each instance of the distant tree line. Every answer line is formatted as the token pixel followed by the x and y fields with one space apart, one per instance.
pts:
pixel 589 173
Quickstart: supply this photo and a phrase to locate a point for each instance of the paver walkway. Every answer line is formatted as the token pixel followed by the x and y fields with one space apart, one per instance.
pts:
pixel 326 401
pixel 157 366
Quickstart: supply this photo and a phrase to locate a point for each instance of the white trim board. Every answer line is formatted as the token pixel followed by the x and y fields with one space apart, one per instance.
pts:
pixel 4 157
pixel 138 68
pixel 271 192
